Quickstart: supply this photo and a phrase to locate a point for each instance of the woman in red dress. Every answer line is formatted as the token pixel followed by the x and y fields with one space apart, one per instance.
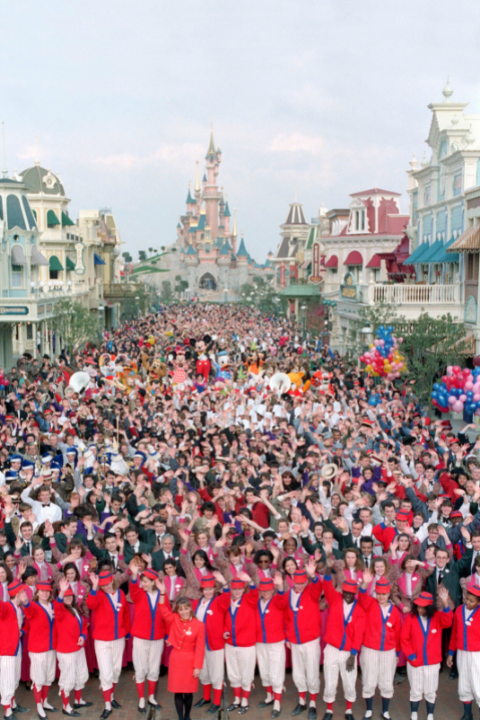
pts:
pixel 186 635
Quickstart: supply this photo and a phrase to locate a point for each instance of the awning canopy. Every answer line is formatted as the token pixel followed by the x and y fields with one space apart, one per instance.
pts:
pixel 52 219
pixel 18 256
pixel 429 256
pixel 70 264
pixel 66 220
pixel 55 263
pixel 375 263
pixel 332 262
pixel 97 260
pixel 354 258
pixel 37 258
pixel 468 242
pixel 417 254
pixel 445 255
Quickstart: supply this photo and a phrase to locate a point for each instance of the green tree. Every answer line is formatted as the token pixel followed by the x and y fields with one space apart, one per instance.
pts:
pixel 382 313
pixel 75 324
pixel 166 295
pixel 142 255
pixel 127 257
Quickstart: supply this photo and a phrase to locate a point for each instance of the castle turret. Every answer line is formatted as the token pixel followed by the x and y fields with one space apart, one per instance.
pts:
pixel 191 202
pixel 211 195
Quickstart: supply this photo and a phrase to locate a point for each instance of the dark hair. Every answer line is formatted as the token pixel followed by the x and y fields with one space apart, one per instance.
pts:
pixel 8 572
pixel 429 608
pixel 261 553
pixel 71 566
pixel 202 554
pixel 74 544
pixel 29 572
pixel 182 601
pixel 285 560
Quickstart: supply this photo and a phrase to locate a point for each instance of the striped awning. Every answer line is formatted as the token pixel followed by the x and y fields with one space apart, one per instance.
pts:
pixel 469 242
pixel 18 256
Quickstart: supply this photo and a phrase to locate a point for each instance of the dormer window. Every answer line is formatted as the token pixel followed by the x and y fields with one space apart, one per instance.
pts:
pixel 360 220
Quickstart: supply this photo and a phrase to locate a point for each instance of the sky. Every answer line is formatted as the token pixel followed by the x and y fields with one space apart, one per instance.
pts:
pixel 309 98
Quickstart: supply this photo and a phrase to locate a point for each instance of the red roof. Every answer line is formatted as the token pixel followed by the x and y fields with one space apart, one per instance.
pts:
pixel 332 262
pixel 354 258
pixel 375 262
pixel 396 224
pixel 375 191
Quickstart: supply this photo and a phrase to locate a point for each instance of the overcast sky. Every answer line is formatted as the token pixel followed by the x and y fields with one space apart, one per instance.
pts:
pixel 321 97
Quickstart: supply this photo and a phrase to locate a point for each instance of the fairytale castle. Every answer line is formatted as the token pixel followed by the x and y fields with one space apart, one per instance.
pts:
pixel 207 252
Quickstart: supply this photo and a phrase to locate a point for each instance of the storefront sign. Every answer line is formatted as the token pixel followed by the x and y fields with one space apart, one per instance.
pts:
pixel 349 289
pixel 13 310
pixel 315 277
pixel 79 265
pixel 282 276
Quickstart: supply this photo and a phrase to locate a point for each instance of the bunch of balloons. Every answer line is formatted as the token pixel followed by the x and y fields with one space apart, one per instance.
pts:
pixel 459 390
pixel 384 358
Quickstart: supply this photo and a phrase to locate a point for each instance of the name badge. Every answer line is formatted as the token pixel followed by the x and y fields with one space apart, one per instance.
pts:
pixel 189 632
pixel 434 631
pixel 209 612
pixel 389 624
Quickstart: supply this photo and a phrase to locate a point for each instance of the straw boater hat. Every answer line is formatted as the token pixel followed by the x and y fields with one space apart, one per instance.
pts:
pixel 329 471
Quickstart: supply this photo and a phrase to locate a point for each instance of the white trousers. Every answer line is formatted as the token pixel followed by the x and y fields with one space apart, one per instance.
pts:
pixel 468 664
pixel 306 666
pixel 423 682
pixel 335 664
pixel 212 670
pixel 378 670
pixel 73 670
pixel 271 664
pixel 146 658
pixel 109 657
pixel 42 667
pixel 240 666
pixel 10 671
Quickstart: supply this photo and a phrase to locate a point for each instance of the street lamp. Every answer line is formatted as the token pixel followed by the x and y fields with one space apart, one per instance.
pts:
pixel 225 290
pixel 137 306
pixel 366 332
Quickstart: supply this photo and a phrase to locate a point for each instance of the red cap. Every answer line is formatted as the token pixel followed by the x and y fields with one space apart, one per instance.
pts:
pixel 44 585
pixel 207 581
pixel 456 514
pixel 424 599
pixel 69 592
pixel 349 586
pixel 105 578
pixel 300 576
pixel 15 587
pixel 382 586
pixel 402 515
pixel 150 574
pixel 266 584
pixel 236 584
pixel 473 589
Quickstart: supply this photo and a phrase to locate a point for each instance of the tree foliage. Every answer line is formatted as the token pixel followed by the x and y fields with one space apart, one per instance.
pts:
pixel 166 294
pixel 75 324
pixel 142 255
pixel 381 313
pixel 127 257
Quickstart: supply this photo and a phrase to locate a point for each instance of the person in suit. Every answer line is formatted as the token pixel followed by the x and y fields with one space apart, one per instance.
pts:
pixel 437 535
pixel 133 544
pixel 167 551
pixel 24 541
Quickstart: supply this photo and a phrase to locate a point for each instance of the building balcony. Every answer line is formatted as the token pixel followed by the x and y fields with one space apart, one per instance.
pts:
pixel 119 291
pixel 415 294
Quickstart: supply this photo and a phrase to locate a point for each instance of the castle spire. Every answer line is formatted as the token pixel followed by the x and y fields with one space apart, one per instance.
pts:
pixel 234 229
pixel 197 181
pixel 211 148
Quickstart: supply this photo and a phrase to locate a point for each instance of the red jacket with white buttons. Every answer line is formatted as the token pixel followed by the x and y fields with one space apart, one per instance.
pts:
pixel 383 632
pixel 304 623
pixel 112 616
pixel 343 633
pixel 69 628
pixel 466 631
pixel 42 634
pixel 214 620
pixel 423 646
pixel 271 620
pixel 241 623
pixel 147 622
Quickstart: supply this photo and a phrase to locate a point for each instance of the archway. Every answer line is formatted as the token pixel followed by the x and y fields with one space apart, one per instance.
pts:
pixel 207 282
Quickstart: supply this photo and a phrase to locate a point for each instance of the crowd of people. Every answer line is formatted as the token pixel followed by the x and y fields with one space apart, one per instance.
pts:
pixel 166 504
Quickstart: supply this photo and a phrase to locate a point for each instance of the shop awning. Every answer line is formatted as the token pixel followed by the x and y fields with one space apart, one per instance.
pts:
pixel 375 263
pixel 52 219
pixel 37 258
pixel 18 256
pixel 55 263
pixel 429 256
pixel 445 255
pixel 97 260
pixel 332 262
pixel 66 220
pixel 354 258
pixel 468 242
pixel 417 254
pixel 70 264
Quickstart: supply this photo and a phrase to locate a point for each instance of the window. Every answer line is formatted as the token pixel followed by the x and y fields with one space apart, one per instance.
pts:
pixel 53 274
pixel 427 195
pixel 359 220
pixel 17 276
pixel 472 266
pixel 29 331
pixel 457 184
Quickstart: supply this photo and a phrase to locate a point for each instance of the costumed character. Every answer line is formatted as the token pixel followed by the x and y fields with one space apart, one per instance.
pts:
pixel 223 372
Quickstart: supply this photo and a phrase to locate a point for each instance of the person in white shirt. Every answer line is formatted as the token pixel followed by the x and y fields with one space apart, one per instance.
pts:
pixel 44 507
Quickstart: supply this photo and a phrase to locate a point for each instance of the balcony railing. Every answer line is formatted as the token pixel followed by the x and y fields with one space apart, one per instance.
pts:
pixel 416 294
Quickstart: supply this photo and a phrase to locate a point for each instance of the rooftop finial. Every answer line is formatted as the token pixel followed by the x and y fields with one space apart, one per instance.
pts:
pixel 211 148
pixel 447 91
pixel 4 171
pixel 197 180
pixel 37 161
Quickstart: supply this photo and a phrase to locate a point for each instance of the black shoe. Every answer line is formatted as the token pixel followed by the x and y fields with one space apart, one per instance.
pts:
pixel 312 713
pixel 163 670
pixel 264 704
pixel 467 717
pixel 349 716
pixel 79 706
pixel 105 714
pixel 10 717
pixel 299 709
pixel 399 678
pixel 42 717
pixel 71 714
pixel 201 703
pixel 453 674
pixel 385 718
pixel 142 710
pixel 116 705
pixel 233 706
pixel 19 709
pixel 213 709
pixel 328 715
pixel 275 713
pixel 242 709
pixel 52 709
pixel 155 705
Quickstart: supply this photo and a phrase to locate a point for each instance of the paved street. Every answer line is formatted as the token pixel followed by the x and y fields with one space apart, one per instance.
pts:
pixel 448 706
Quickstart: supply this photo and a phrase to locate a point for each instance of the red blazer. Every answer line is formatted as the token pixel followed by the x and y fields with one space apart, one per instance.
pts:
pixel 68 628
pixel 383 633
pixel 385 534
pixel 112 616
pixel 260 514
pixel 270 626
pixel 424 647
pixel 344 634
pixel 9 632
pixel 147 622
pixel 188 636
pixel 304 624
pixel 42 636
pixel 241 623
pixel 214 620
pixel 465 633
